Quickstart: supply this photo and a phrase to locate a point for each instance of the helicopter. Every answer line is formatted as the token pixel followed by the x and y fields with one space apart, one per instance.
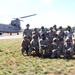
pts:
pixel 14 26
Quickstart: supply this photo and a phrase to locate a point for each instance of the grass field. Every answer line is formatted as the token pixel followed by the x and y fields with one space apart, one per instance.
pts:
pixel 13 63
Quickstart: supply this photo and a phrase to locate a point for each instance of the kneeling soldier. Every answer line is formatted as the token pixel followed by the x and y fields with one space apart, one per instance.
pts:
pixel 25 44
pixel 43 45
pixel 68 49
pixel 55 52
pixel 34 45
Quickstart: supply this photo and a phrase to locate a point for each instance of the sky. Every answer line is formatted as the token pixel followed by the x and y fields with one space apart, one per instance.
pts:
pixel 49 12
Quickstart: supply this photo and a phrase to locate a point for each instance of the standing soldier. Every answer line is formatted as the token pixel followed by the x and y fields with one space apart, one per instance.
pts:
pixel 61 44
pixel 73 41
pixel 35 32
pixel 55 27
pixel 60 34
pixel 69 33
pixel 27 32
pixel 68 48
pixel 42 31
pixel 55 30
pixel 50 34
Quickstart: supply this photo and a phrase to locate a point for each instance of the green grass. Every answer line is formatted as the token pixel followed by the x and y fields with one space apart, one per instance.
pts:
pixel 13 63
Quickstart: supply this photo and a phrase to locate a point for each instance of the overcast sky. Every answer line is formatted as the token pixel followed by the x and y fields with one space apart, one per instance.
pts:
pixel 49 12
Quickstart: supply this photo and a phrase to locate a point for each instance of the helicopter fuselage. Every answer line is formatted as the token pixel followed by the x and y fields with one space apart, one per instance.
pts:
pixel 9 28
pixel 14 26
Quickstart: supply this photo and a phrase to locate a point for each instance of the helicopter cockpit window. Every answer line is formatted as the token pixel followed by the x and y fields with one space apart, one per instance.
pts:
pixel 15 22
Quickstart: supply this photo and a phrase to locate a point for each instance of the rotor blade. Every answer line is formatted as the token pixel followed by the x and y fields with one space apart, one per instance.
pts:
pixel 22 20
pixel 28 16
pixel 13 18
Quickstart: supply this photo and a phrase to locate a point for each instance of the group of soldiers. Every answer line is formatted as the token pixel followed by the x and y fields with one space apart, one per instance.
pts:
pixel 53 42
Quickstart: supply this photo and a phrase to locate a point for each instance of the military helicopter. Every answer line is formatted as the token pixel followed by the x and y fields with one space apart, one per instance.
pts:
pixel 14 26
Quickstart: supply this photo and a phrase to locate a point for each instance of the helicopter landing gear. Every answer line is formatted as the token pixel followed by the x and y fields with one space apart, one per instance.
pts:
pixel 0 33
pixel 10 33
pixel 17 33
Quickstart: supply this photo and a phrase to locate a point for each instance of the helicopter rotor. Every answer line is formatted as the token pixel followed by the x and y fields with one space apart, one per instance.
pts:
pixel 28 16
pixel 20 18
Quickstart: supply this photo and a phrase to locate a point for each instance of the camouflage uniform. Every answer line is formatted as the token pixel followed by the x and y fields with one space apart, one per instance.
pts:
pixel 60 34
pixel 35 32
pixel 68 33
pixel 50 34
pixel 42 31
pixel 34 45
pixel 73 41
pixel 25 44
pixel 61 44
pixel 68 49
pixel 55 48
pixel 43 45
pixel 55 30
pixel 27 32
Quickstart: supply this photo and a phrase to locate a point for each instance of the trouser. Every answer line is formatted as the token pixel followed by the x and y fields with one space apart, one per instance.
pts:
pixel 33 49
pixel 74 48
pixel 23 50
pixel 68 54
pixel 55 54
pixel 43 51
pixel 29 38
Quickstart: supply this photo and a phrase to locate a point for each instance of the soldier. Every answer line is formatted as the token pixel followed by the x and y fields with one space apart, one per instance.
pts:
pixel 73 41
pixel 34 45
pixel 42 31
pixel 35 32
pixel 69 33
pixel 25 44
pixel 68 48
pixel 61 44
pixel 43 45
pixel 55 49
pixel 50 34
pixel 27 32
pixel 60 34
pixel 54 28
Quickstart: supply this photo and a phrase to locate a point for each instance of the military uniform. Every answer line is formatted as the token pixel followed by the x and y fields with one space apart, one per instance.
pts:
pixel 25 44
pixel 73 41
pixel 55 30
pixel 43 45
pixel 68 33
pixel 35 32
pixel 42 31
pixel 60 34
pixel 50 34
pixel 34 45
pixel 27 32
pixel 55 52
pixel 68 49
